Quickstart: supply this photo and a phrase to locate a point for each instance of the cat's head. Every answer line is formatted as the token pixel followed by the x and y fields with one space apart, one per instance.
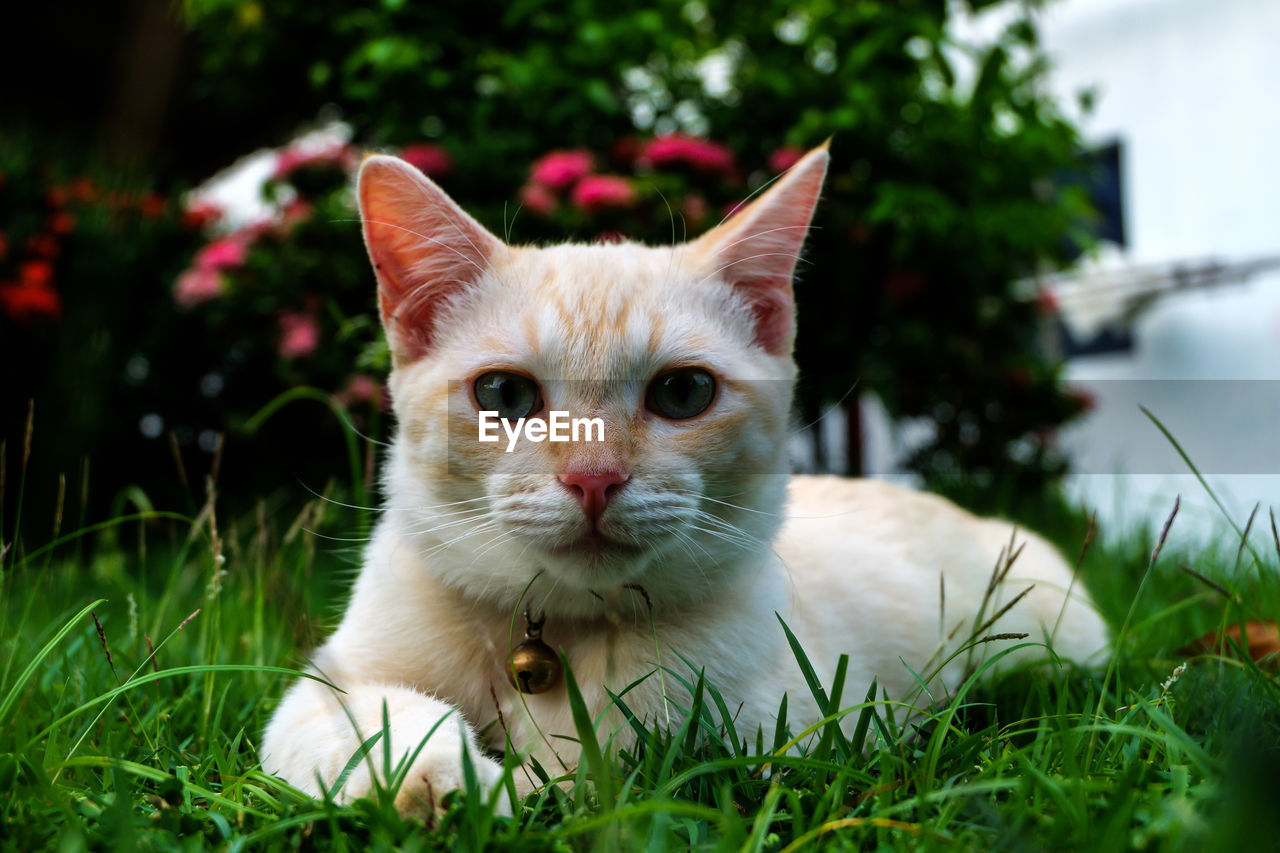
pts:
pixel 682 352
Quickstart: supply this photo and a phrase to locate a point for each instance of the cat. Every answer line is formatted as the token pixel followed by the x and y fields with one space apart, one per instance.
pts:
pixel 673 525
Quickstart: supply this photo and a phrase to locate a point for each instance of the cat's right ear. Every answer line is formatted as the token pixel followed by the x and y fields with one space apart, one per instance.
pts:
pixel 427 252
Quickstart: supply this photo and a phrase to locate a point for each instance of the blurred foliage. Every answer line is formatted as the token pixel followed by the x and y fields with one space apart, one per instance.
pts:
pixel 946 187
pixel 83 248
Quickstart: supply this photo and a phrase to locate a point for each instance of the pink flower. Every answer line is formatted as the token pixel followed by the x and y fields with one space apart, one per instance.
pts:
pixel 538 198
pixel 784 158
pixel 26 301
pixel 299 334
pixel 559 169
pixel 227 253
pixel 196 285
pixel 430 159
pixel 361 389
pixel 596 192
pixel 200 214
pixel 299 157
pixel 703 155
pixel 695 208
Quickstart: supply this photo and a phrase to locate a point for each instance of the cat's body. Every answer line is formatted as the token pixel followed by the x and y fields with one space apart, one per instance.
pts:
pixel 673 526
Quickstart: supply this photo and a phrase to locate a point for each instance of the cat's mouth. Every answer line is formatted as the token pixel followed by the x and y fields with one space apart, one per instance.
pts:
pixel 595 544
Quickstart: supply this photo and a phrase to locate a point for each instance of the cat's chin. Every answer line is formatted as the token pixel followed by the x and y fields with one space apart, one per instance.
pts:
pixel 596 547
pixel 596 561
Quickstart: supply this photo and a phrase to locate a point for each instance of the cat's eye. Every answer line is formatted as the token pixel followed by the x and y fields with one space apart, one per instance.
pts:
pixel 679 394
pixel 511 395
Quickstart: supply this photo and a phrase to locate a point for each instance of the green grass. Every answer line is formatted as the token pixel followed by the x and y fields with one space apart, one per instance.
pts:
pixel 104 743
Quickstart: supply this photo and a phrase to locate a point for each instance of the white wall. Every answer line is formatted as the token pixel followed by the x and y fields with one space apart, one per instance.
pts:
pixel 1189 87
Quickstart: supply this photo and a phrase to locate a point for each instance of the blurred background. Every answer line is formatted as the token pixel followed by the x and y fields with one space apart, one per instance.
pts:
pixel 1040 216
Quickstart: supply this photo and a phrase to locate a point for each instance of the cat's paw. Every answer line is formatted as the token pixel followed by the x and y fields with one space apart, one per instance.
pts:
pixel 436 772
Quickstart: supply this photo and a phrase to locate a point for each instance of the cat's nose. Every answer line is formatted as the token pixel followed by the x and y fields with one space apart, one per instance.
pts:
pixel 594 491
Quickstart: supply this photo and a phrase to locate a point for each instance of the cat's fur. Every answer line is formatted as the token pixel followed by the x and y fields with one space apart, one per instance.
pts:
pixel 891 577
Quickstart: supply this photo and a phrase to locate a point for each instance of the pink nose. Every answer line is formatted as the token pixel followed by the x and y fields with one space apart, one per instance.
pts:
pixel 594 491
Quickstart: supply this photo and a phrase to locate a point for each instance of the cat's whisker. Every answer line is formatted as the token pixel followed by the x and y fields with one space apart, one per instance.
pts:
pixel 424 523
pixel 682 538
pixel 480 528
pixel 433 525
pixel 756 234
pixel 739 507
pixel 493 543
pixel 788 255
pixel 320 535
pixel 742 205
pixel 728 526
pixel 439 506
pixel 726 537
pixel 434 240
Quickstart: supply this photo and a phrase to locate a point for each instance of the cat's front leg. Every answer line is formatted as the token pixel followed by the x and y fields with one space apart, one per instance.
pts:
pixel 315 732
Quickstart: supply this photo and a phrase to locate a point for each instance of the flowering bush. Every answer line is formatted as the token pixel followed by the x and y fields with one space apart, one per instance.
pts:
pixel 40 219
pixel 85 252
pixel 947 159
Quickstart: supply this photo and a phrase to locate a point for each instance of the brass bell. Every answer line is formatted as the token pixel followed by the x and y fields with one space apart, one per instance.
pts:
pixel 533 667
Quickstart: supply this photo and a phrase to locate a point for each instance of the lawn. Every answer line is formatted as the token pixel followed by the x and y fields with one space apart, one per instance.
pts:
pixel 142 657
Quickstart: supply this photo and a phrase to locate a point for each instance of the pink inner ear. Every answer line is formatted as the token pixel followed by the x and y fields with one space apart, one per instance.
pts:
pixel 755 252
pixel 772 312
pixel 414 284
pixel 426 252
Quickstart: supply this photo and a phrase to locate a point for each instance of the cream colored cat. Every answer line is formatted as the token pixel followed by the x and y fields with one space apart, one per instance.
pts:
pixel 684 352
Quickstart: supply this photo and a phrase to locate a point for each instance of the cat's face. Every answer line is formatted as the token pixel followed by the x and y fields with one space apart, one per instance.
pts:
pixel 682 353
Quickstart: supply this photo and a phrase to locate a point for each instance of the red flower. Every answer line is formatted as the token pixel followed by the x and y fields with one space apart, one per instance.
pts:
pixel 596 192
pixel 36 273
pixel 430 159
pixel 703 155
pixel 63 222
pixel 559 169
pixel 152 205
pixel 84 190
pixel 43 245
pixel 784 158
pixel 200 214
pixel 197 285
pixel 538 198
pixel 299 334
pixel 227 253
pixel 28 301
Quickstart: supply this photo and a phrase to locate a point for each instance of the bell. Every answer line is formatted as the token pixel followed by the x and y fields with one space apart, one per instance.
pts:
pixel 533 667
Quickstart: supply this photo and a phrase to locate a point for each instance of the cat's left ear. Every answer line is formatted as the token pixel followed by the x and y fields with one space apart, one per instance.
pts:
pixel 756 250
pixel 427 252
